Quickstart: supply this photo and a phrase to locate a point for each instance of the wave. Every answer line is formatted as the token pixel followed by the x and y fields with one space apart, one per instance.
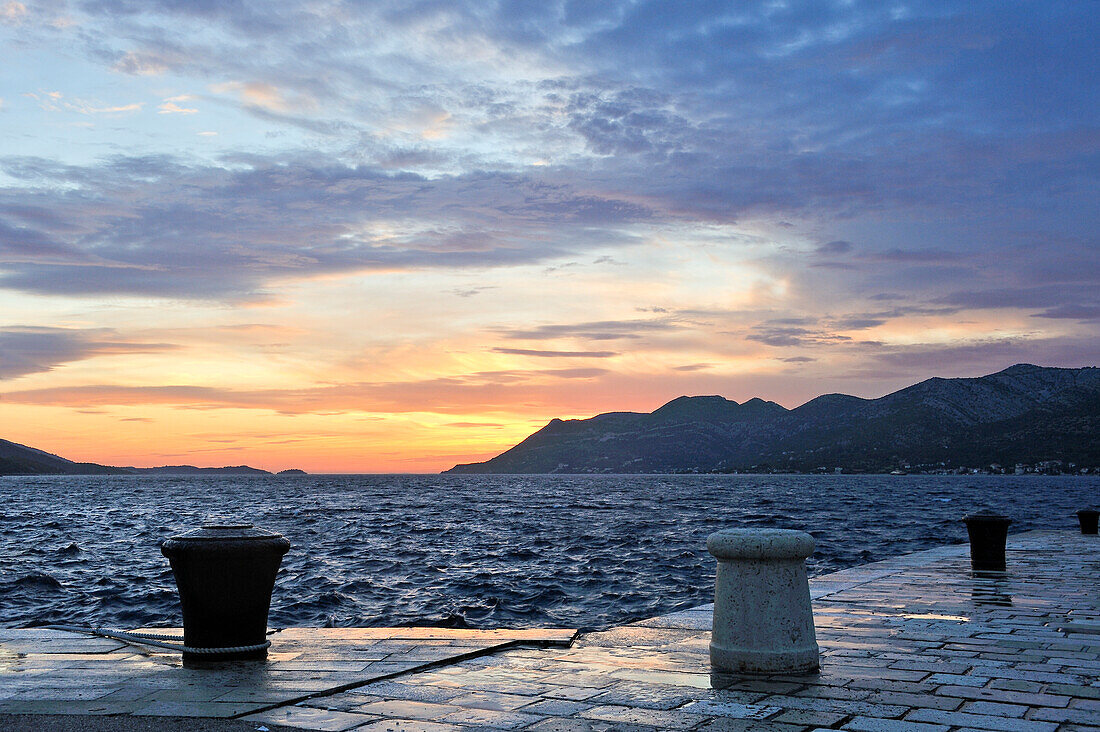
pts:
pixel 35 581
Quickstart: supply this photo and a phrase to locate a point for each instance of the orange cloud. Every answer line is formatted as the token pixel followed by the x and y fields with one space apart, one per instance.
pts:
pixel 169 105
pixel 263 95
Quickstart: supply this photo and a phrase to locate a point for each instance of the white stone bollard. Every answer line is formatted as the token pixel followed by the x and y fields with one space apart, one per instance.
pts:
pixel 763 623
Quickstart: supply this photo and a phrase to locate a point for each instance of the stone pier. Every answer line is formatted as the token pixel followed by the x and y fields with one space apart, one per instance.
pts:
pixel 918 643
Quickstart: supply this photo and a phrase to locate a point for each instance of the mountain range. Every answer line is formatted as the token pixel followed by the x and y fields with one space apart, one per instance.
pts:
pixel 1024 414
pixel 16 459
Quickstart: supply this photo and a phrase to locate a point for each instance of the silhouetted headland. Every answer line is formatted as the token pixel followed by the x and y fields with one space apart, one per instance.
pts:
pixel 1023 419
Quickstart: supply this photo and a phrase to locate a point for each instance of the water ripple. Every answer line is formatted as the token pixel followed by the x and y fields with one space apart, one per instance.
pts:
pixel 470 551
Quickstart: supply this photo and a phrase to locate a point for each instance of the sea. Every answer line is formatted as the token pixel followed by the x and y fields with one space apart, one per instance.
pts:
pixel 471 551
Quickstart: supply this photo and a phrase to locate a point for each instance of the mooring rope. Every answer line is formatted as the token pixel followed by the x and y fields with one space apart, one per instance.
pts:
pixel 157 640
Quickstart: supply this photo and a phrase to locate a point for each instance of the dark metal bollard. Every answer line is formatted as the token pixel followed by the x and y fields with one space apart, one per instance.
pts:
pixel 225 575
pixel 1088 518
pixel 988 532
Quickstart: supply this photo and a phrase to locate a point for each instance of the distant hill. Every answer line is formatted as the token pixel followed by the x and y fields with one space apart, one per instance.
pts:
pixel 192 470
pixel 16 459
pixel 1024 414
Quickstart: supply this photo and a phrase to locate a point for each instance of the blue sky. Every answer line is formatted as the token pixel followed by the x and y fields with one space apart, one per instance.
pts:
pixel 514 211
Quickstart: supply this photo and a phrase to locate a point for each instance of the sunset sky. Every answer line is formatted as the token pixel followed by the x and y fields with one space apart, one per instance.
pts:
pixel 394 236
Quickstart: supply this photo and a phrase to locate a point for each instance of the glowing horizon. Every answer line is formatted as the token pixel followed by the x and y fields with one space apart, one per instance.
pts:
pixel 397 238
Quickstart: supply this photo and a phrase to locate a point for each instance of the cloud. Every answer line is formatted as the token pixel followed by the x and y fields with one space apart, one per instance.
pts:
pixel 851 107
pixel 479 391
pixel 917 256
pixel 814 331
pixel 834 248
pixel 471 291
pixel 263 95
pixel 556 354
pixel 169 107
pixel 628 121
pixel 603 330
pixel 1085 312
pixel 13 13
pixel 473 424
pixel 88 108
pixel 940 151
pixel 579 373
pixel 829 330
pixel 1067 300
pixel 29 350
pixel 30 243
pixel 858 322
pixel 57 102
pixel 139 65
pixel 155 226
pixel 783 336
pixel 976 357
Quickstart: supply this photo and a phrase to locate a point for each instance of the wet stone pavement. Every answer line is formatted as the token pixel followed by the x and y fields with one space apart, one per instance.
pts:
pixel 57 672
pixel 913 644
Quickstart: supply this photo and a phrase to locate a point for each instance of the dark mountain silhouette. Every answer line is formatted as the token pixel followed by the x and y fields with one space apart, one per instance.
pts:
pixel 16 459
pixel 1022 414
pixel 192 470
